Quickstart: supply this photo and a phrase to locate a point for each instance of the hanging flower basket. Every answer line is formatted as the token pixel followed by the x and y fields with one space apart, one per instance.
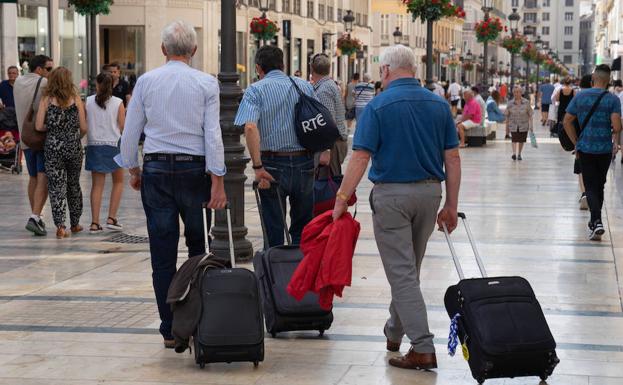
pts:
pixel 91 7
pixel 424 58
pixel 540 58
pixel 493 71
pixel 433 10
pixel 480 68
pixel 513 44
pixel 529 53
pixel 453 63
pixel 467 66
pixel 348 45
pixel 263 28
pixel 489 30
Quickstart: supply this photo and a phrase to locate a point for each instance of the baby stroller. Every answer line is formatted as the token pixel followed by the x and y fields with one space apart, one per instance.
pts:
pixel 10 158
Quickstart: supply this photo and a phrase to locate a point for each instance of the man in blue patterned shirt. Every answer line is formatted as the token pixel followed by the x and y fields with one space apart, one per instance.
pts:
pixel 177 107
pixel 267 113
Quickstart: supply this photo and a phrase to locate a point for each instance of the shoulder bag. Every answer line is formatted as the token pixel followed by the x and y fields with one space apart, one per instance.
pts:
pixel 314 126
pixel 565 142
pixel 32 138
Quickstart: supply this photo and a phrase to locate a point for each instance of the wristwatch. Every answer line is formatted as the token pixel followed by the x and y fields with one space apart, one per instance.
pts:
pixel 258 167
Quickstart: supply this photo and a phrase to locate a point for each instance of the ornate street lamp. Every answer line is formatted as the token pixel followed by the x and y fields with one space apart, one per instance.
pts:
pixel 397 35
pixel 486 8
pixel 469 57
pixel 264 8
pixel 235 160
pixel 538 44
pixel 483 66
pixel 348 20
pixel 452 51
pixel 514 19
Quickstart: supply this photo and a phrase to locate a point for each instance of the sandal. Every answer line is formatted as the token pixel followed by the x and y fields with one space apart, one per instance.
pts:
pixel 76 229
pixel 114 225
pixel 61 232
pixel 95 228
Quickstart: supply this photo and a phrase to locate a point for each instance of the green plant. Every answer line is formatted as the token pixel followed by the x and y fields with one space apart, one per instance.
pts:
pixel 513 44
pixel 263 28
pixel 433 10
pixel 489 29
pixel 348 45
pixel 92 7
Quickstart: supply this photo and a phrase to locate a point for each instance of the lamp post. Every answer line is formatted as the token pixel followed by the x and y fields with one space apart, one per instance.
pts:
pixel 538 44
pixel 348 20
pixel 452 53
pixel 397 36
pixel 235 160
pixel 263 8
pixel 469 57
pixel 486 8
pixel 483 66
pixel 513 18
pixel 429 55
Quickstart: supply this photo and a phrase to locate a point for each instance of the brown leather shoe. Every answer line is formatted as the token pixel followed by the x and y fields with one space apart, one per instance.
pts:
pixel 169 344
pixel 76 229
pixel 415 360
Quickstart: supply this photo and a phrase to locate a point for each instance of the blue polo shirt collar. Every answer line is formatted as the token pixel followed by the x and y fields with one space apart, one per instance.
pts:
pixel 404 82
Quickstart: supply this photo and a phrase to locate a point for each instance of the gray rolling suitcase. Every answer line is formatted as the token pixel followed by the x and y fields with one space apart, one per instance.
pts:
pixel 274 268
pixel 231 325
pixel 499 323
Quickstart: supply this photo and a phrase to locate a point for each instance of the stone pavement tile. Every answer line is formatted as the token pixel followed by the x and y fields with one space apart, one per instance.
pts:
pixel 61 367
pixel 596 380
pixel 301 373
pixel 555 379
pixel 364 375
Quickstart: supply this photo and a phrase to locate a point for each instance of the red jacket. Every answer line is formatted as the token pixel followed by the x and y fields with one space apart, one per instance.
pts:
pixel 328 248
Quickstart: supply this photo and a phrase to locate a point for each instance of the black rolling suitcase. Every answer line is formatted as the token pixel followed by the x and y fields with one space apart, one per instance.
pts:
pixel 274 268
pixel 230 328
pixel 500 324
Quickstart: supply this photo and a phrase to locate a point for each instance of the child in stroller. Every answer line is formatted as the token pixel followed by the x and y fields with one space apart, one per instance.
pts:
pixel 9 137
pixel 7 142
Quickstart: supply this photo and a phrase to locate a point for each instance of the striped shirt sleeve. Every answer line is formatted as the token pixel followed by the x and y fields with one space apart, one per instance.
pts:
pixel 250 107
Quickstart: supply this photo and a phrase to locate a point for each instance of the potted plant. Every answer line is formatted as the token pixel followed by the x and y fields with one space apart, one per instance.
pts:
pixel 424 57
pixel 263 28
pixel 489 29
pixel 513 44
pixel 433 10
pixel 468 66
pixel 91 7
pixel 348 45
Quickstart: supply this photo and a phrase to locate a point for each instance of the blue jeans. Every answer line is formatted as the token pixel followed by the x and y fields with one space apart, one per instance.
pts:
pixel 295 178
pixel 170 191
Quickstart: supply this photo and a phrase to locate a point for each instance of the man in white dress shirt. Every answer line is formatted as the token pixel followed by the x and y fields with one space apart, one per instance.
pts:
pixel 177 108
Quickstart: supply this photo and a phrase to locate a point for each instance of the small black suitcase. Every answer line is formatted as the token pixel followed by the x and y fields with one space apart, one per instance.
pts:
pixel 230 328
pixel 500 324
pixel 274 268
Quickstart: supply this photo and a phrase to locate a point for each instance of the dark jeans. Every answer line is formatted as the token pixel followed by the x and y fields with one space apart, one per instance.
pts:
pixel 171 191
pixel 295 178
pixel 594 169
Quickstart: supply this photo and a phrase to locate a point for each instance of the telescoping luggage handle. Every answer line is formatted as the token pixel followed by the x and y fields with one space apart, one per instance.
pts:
pixel 283 214
pixel 229 231
pixel 455 258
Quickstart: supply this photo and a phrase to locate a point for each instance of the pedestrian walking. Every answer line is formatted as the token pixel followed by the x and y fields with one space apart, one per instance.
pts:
pixel 120 88
pixel 27 92
pixel 596 144
pixel 518 121
pixel 585 83
pixel 562 98
pixel 454 95
pixel 7 99
pixel 177 107
pixel 349 100
pixel 363 92
pixel 407 170
pixel 329 95
pixel 545 92
pixel 105 118
pixel 267 112
pixel 61 114
pixel 618 91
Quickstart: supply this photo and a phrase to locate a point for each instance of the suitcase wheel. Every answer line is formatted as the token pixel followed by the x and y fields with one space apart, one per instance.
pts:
pixel 256 364
pixel 321 332
pixel 480 380
pixel 202 365
pixel 543 377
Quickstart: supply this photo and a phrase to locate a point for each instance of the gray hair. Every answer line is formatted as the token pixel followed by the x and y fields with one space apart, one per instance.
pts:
pixel 179 38
pixel 399 57
pixel 321 64
pixel 367 78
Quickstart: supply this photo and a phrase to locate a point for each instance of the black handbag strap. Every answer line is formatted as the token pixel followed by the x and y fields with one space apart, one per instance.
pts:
pixel 296 87
pixel 591 112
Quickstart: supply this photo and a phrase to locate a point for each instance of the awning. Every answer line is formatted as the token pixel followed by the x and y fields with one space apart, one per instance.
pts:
pixel 616 64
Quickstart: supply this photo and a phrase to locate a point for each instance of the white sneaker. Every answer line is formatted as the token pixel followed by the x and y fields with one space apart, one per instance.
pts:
pixel 583 202
pixel 596 231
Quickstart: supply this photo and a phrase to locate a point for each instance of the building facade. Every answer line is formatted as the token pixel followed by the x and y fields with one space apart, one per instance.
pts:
pixel 389 16
pixel 608 44
pixel 587 43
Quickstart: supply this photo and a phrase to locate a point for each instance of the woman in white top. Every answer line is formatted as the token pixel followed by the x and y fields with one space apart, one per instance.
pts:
pixel 106 117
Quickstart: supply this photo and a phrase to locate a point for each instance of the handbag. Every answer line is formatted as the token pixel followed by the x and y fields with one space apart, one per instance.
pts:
pixel 32 138
pixel 314 126
pixel 325 190
pixel 564 139
pixel 533 139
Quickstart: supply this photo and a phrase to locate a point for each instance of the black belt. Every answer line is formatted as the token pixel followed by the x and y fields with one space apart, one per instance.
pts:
pixel 179 158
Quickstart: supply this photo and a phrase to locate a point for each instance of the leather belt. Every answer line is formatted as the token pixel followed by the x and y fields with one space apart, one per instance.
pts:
pixel 179 158
pixel 286 154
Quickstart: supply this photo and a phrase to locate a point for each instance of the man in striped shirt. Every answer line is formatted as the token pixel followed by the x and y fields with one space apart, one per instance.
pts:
pixel 329 95
pixel 364 92
pixel 177 107
pixel 267 113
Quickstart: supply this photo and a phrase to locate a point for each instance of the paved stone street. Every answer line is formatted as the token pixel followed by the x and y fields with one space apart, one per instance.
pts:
pixel 81 310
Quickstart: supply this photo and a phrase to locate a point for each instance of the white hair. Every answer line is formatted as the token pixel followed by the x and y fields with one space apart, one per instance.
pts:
pixel 399 57
pixel 367 78
pixel 179 38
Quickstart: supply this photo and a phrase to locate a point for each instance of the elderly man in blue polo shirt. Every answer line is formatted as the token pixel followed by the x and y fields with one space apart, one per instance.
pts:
pixel 409 133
